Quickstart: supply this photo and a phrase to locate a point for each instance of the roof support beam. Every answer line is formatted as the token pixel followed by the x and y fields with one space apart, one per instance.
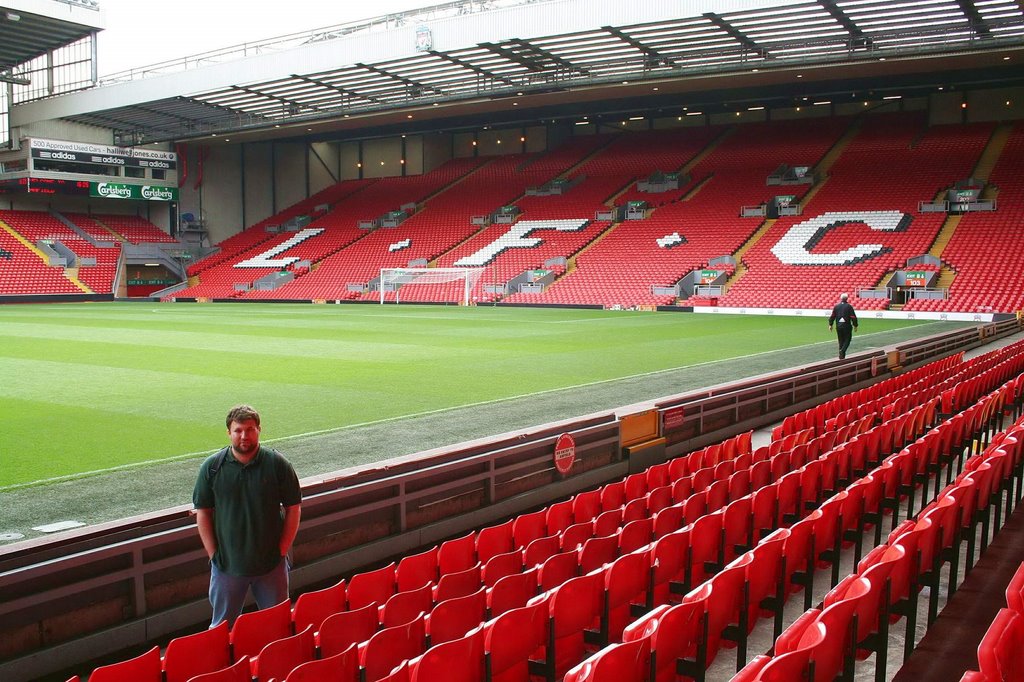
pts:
pixel 9 77
pixel 330 86
pixel 284 100
pixel 978 22
pixel 648 52
pixel 736 34
pixel 529 56
pixel 466 65
pixel 405 81
pixel 857 36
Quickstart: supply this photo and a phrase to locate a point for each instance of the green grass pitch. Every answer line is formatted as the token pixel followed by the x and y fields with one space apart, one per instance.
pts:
pixel 90 387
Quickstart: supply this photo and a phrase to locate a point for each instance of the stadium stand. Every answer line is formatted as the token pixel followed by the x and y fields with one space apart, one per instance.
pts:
pixel 983 281
pixel 843 534
pixel 239 266
pixel 39 278
pixel 920 162
pixel 579 203
pixel 443 222
pixel 617 263
pixel 623 267
pixel 132 228
pixel 257 234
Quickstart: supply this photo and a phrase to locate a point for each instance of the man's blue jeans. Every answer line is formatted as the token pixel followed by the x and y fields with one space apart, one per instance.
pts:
pixel 228 592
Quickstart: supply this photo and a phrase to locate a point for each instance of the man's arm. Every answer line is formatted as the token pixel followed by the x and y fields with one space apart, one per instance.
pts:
pixel 204 521
pixel 291 527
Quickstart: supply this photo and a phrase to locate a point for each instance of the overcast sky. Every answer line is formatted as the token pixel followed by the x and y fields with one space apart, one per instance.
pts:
pixel 144 32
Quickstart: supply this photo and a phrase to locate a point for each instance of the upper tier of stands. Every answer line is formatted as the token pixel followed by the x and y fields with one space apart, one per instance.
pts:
pixel 894 163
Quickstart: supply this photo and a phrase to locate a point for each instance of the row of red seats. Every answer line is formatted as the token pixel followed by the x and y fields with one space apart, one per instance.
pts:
pixel 461 552
pixel 685 638
pixel 999 652
pixel 822 642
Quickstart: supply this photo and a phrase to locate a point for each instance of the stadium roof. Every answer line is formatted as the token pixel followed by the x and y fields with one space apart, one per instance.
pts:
pixel 29 29
pixel 753 50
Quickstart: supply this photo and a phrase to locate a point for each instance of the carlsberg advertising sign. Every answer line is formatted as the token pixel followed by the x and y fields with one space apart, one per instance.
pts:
pixel 120 190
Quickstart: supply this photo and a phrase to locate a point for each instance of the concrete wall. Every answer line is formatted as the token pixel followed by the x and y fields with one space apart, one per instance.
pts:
pixel 436 149
pixel 1003 104
pixel 259 199
pixel 382 158
pixel 350 160
pixel 464 145
pixel 323 165
pixel 219 197
pixel 413 154
pixel 291 178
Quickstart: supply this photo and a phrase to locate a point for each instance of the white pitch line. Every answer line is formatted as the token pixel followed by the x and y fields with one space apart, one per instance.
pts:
pixel 427 413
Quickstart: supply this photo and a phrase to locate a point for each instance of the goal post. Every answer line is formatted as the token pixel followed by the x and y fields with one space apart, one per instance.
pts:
pixel 393 279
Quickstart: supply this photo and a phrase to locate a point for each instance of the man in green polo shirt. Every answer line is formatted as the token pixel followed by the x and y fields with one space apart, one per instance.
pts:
pixel 247 502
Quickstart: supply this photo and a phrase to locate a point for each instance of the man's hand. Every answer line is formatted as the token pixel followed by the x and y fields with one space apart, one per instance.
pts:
pixel 204 521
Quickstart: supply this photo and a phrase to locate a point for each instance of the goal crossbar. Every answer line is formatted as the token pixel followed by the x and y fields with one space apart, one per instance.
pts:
pixel 393 279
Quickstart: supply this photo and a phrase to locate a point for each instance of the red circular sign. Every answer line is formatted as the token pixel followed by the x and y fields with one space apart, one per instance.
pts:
pixel 565 453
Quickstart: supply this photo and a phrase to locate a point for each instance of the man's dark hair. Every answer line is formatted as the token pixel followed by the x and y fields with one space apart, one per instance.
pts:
pixel 242 413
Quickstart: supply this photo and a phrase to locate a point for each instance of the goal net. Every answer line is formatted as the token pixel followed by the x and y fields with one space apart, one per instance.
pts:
pixel 394 279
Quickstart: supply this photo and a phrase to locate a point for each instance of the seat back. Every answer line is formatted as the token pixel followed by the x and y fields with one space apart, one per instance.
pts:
pixel 457 584
pixel 458 660
pixel 201 652
pixel 370 587
pixel 278 658
pixel 453 618
pixel 312 608
pixel 511 638
pixel 999 653
pixel 341 667
pixel 501 565
pixel 512 592
pixel 416 570
pixel 254 630
pixel 342 630
pixel 457 555
pixel 239 672
pixel 402 607
pixel 626 582
pixel 387 648
pixel 142 668
pixel 623 662
pixel 528 527
pixel 494 540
